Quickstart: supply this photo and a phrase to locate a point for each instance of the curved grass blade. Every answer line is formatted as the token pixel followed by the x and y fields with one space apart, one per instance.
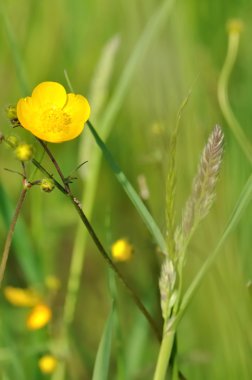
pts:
pixel 101 367
pixel 130 191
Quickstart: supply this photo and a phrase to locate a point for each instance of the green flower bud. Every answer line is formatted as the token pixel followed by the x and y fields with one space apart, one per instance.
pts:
pixel 12 141
pixel 11 113
pixel 47 185
pixel 24 152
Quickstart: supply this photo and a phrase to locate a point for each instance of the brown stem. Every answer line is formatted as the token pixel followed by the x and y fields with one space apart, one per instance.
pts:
pixel 99 245
pixel 106 257
pixel 10 234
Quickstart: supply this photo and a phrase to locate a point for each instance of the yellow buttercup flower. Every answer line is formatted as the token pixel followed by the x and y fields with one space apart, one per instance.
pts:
pixel 53 115
pixel 47 364
pixel 122 250
pixel 21 297
pixel 40 315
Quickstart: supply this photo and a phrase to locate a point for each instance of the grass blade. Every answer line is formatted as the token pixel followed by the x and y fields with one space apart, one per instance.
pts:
pixel 130 191
pixel 103 354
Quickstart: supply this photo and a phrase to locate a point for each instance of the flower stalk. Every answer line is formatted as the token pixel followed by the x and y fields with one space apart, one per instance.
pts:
pixel 11 231
pixel 67 191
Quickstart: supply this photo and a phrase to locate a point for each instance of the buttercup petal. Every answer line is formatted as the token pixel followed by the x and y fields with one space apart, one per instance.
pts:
pixel 26 112
pixel 49 94
pixel 78 109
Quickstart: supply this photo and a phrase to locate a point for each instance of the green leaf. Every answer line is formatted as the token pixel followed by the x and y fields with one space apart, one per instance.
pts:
pixel 103 354
pixel 130 191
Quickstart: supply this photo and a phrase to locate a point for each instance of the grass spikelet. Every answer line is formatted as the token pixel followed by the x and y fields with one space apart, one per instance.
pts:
pixel 171 184
pixel 167 285
pixel 203 189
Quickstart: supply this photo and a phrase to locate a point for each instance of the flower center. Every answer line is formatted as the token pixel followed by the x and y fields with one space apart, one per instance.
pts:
pixel 55 120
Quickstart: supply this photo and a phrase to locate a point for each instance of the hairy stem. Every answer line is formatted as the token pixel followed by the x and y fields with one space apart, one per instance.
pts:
pixel 10 234
pixel 101 249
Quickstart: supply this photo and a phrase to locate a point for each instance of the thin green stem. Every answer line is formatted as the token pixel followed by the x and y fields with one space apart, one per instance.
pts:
pixel 10 234
pixel 233 44
pixel 164 355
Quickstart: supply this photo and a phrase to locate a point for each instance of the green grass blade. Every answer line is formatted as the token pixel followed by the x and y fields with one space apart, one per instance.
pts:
pixel 101 367
pixel 20 70
pixel 240 207
pixel 135 348
pixel 130 191
pixel 22 245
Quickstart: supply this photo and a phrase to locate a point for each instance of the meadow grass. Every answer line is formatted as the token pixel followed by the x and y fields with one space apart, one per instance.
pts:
pixel 151 55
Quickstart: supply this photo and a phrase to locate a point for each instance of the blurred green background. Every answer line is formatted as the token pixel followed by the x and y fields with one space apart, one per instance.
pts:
pixel 215 337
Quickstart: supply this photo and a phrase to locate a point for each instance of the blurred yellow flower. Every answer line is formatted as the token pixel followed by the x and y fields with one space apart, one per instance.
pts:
pixel 24 152
pixel 40 315
pixel 53 115
pixel 122 250
pixel 21 297
pixel 47 364
pixel 52 282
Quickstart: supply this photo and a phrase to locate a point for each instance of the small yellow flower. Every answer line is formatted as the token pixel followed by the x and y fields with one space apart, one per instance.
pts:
pixel 40 315
pixel 21 297
pixel 24 152
pixel 53 115
pixel 122 250
pixel 47 364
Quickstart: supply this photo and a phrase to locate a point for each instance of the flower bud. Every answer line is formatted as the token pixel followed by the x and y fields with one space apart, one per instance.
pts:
pixel 24 152
pixel 47 185
pixel 12 141
pixel 11 113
